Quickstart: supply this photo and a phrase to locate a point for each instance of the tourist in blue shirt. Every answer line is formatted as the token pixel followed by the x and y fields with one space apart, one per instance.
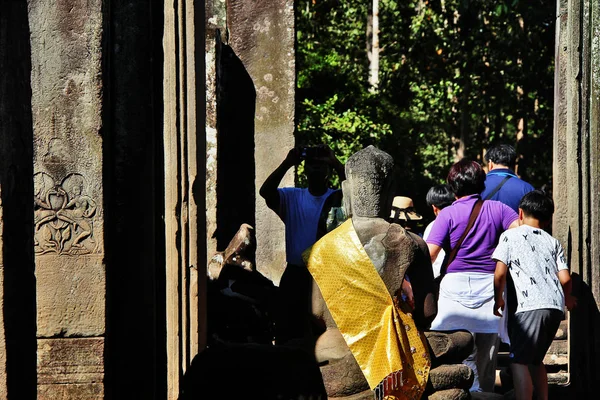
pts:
pixel 501 182
pixel 301 210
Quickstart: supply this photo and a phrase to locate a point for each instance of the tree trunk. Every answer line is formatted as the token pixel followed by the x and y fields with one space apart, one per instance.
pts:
pixel 373 45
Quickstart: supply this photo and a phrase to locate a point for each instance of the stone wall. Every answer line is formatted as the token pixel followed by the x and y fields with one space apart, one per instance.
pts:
pixel 577 177
pixel 261 39
pixel 94 280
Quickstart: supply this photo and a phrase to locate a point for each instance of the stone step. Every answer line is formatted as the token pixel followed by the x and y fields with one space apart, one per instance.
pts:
pixel 552 358
pixel 559 347
pixel 555 378
pixel 558 354
pixel 558 378
pixel 556 361
pixel 562 331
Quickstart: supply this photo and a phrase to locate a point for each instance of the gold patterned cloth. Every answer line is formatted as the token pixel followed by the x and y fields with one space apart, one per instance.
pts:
pixel 379 331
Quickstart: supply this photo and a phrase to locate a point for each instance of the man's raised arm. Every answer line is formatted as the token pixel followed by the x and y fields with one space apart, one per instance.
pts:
pixel 268 190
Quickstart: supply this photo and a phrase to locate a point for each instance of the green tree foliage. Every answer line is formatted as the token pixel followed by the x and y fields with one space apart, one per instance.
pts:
pixel 453 75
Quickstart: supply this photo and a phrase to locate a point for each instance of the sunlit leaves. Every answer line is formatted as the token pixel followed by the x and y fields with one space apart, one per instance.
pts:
pixel 460 68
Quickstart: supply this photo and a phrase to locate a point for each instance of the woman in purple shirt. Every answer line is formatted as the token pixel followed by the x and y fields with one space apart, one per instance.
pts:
pixel 466 296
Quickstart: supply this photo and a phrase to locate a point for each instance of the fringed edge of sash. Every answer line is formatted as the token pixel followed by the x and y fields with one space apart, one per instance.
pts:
pixel 392 382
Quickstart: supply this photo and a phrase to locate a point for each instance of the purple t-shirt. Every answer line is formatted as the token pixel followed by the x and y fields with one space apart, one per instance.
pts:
pixel 475 254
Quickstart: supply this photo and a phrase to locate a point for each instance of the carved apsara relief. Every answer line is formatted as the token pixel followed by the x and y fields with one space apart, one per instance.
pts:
pixel 63 215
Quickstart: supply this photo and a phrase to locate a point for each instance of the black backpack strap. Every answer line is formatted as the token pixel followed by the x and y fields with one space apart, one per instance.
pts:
pixel 493 192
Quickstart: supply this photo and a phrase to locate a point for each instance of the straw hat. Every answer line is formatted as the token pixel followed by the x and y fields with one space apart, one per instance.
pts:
pixel 404 209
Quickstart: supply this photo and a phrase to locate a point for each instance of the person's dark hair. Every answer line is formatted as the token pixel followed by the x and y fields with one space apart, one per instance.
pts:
pixel 502 154
pixel 537 204
pixel 440 196
pixel 466 177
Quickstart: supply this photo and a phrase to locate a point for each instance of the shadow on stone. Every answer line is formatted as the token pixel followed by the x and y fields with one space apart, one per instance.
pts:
pixel 132 131
pixel 236 102
pixel 253 371
pixel 16 183
pixel 585 341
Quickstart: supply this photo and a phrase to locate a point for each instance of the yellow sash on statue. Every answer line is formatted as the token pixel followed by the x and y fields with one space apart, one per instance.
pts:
pixel 383 338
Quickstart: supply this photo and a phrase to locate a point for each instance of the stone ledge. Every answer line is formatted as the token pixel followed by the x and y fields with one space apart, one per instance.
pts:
pixel 559 347
pixel 556 359
pixel 558 378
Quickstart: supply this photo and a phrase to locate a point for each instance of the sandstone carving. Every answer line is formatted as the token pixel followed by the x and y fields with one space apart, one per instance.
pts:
pixel 63 215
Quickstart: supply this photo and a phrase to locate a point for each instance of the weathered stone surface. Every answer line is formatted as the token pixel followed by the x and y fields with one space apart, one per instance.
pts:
pixel 562 331
pixel 558 378
pixel 69 392
pixel 344 377
pixel 556 359
pixel 66 91
pixel 262 36
pixel 451 376
pixel 70 361
pixel 66 104
pixel 558 347
pixel 70 296
pixel 368 183
pixel 448 348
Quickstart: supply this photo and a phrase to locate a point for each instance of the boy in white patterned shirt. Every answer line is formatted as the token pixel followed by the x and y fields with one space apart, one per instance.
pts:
pixel 538 268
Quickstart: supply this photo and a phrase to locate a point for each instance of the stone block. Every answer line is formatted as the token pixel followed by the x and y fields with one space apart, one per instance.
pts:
pixel 70 295
pixel 90 391
pixel 452 376
pixel 559 347
pixel 65 362
pixel 556 359
pixel 558 378
pixel 562 331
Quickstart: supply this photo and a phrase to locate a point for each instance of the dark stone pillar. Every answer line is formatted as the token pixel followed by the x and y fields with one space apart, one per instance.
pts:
pixel 17 279
pixel 134 190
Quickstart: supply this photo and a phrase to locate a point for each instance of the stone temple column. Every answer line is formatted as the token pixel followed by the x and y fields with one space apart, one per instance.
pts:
pixel 576 178
pixel 66 104
pixel 186 182
pixel 259 58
